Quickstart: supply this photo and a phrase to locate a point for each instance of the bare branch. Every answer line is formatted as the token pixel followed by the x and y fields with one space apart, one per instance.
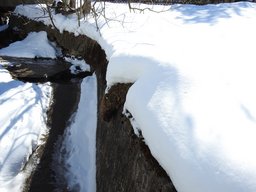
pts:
pixel 50 14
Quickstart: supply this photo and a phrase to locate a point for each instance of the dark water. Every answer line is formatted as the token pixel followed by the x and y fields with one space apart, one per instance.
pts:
pixel 65 101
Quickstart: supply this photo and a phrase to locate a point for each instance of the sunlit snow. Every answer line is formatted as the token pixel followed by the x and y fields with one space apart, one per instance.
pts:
pixel 34 45
pixel 23 118
pixel 193 95
pixel 23 122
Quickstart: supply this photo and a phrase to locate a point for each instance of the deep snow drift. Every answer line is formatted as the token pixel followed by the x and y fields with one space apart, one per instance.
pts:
pixel 193 95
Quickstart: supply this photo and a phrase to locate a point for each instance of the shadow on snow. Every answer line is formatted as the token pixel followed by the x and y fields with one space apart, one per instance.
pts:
pixel 209 14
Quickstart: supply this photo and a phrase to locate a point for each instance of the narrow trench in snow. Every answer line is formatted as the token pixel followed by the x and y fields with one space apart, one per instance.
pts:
pixel 65 99
pixel 43 167
pixel 64 103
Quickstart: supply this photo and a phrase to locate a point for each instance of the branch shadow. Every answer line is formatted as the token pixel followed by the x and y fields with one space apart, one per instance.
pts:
pixel 12 159
pixel 209 14
pixel 6 86
pixel 16 166
pixel 15 120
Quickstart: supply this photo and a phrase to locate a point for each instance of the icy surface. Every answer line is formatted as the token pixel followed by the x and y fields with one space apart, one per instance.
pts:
pixel 34 45
pixel 193 95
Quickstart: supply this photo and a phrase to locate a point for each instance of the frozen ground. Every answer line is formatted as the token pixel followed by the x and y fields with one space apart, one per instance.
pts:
pixel 193 96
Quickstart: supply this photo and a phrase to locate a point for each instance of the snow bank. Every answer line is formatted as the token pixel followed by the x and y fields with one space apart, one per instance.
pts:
pixel 34 45
pixel 193 95
pixel 20 134
pixel 194 100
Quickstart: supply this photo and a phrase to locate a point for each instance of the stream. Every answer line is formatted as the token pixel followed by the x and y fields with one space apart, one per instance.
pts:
pixel 123 161
pixel 65 99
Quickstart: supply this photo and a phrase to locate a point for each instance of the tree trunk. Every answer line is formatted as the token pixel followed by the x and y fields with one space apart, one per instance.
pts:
pixel 72 3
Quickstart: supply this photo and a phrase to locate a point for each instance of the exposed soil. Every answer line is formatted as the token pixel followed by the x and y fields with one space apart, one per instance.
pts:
pixel 124 162
pixel 113 101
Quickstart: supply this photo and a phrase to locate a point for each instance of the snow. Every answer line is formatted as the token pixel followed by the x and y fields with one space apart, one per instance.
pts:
pixel 34 45
pixel 23 109
pixel 78 65
pixel 3 27
pixel 193 96
pixel 19 133
pixel 80 140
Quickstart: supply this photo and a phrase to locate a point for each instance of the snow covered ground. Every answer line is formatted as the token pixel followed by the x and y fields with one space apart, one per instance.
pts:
pixel 23 124
pixel 23 117
pixel 23 120
pixel 193 95
pixel 34 45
